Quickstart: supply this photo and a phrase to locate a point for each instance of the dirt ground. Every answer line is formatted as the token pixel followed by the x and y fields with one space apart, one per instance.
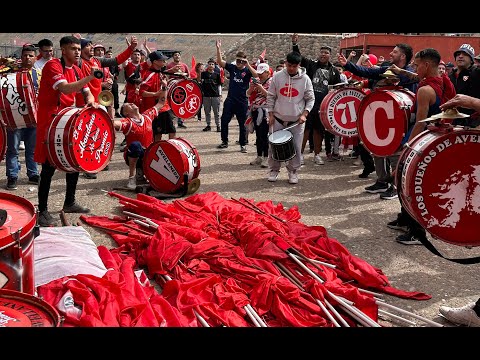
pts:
pixel 329 195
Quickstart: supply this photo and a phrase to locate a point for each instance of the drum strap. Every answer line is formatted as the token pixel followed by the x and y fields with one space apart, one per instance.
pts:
pixel 284 123
pixel 431 248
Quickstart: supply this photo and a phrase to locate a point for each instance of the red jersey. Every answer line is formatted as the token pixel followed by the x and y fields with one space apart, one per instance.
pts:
pixel 51 100
pixel 183 65
pixel 151 83
pixel 129 70
pixel 140 129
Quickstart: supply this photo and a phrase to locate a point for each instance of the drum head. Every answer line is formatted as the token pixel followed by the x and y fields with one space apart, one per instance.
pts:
pixel 23 310
pixel 21 214
pixel 164 166
pixel 280 137
pixel 184 97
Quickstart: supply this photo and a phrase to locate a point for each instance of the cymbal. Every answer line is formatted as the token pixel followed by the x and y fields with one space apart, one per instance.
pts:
pixel 447 114
pixel 389 74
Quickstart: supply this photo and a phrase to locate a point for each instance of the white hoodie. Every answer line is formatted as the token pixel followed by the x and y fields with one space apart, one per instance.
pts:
pixel 288 96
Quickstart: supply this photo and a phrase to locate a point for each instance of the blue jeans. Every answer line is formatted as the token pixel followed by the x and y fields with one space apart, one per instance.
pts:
pixel 13 166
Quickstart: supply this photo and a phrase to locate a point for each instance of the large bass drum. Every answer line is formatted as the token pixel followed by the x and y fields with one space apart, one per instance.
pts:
pixel 383 119
pixel 438 177
pixel 339 109
pixel 184 97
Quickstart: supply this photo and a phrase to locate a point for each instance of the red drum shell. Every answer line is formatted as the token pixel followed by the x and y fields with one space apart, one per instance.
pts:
pixel 383 119
pixel 166 161
pixel 81 139
pixel 339 109
pixel 18 100
pixel 439 183
pixel 16 244
pixel 184 97
pixel 3 142
pixel 25 310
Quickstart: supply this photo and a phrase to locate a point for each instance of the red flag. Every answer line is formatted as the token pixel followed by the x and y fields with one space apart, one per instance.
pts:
pixel 262 55
pixel 193 73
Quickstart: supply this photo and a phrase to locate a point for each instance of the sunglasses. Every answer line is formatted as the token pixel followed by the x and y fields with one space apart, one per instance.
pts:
pixel 241 61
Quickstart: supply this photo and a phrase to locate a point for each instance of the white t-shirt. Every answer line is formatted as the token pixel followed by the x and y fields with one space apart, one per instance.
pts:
pixel 40 63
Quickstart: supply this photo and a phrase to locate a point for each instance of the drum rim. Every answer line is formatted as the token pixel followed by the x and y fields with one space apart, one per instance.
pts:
pixel 27 229
pixel 197 169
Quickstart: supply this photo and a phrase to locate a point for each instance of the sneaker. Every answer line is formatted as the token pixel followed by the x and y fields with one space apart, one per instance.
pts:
pixel 318 160
pixel 292 177
pixel 45 219
pixel 390 194
pixel 398 224
pixel 408 239
pixel 21 145
pixel 12 183
pixel 366 171
pixel 257 161
pixel 207 128
pixel 264 163
pixel 182 126
pixel 302 160
pixel 223 145
pixel 75 208
pixel 243 149
pixel 34 179
pixel 123 145
pixel 376 188
pixel 218 129
pixel 90 175
pixel 311 150
pixel 335 157
pixel 464 315
pixel 132 184
pixel 272 176
pixel 357 162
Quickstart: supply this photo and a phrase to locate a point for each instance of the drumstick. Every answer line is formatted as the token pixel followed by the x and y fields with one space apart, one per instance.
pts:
pixel 291 126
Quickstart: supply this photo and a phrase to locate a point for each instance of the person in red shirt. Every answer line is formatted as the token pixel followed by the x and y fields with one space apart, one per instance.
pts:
pixel 61 80
pixel 153 80
pixel 137 128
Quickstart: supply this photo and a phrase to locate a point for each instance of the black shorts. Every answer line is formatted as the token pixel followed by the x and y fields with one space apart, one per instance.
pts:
pixel 163 123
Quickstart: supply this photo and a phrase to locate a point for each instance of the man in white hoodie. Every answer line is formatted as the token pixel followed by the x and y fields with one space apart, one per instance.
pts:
pixel 290 98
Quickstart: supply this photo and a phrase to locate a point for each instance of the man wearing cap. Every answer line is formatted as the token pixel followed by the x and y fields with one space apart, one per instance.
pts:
pixel 466 80
pixel 322 73
pixel 153 79
pixel 88 60
pixel 236 102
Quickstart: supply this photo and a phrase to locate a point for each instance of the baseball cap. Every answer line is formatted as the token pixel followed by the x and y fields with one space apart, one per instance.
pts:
pixel 99 46
pixel 449 65
pixel 84 42
pixel 157 55
pixel 262 67
pixel 467 49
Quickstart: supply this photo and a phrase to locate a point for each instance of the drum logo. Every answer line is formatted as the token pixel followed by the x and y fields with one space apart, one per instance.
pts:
pixel 444 198
pixel 164 167
pixel 342 112
pixel 13 97
pixel 86 136
pixel 5 319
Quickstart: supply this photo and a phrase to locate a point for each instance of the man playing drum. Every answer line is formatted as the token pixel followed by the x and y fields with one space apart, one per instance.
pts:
pixel 137 129
pixel 290 98
pixel 61 80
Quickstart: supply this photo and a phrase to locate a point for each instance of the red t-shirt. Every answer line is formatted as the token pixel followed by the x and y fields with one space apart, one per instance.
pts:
pixel 129 70
pixel 139 129
pixel 151 83
pixel 48 100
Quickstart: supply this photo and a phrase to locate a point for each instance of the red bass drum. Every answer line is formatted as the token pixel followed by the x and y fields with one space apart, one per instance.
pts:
pixel 16 244
pixel 439 178
pixel 166 161
pixel 383 119
pixel 184 97
pixel 18 100
pixel 339 109
pixel 81 139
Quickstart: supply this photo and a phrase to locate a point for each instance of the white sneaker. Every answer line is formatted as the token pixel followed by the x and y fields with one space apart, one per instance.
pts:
pixel 272 176
pixel 318 160
pixel 21 145
pixel 302 160
pixel 357 162
pixel 293 177
pixel 264 163
pixel 464 315
pixel 132 184
pixel 257 161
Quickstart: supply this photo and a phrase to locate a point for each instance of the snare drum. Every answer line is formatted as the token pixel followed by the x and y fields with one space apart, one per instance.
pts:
pixel 184 97
pixel 81 139
pixel 339 109
pixel 438 177
pixel 383 119
pixel 18 100
pixel 281 145
pixel 166 161
pixel 16 244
